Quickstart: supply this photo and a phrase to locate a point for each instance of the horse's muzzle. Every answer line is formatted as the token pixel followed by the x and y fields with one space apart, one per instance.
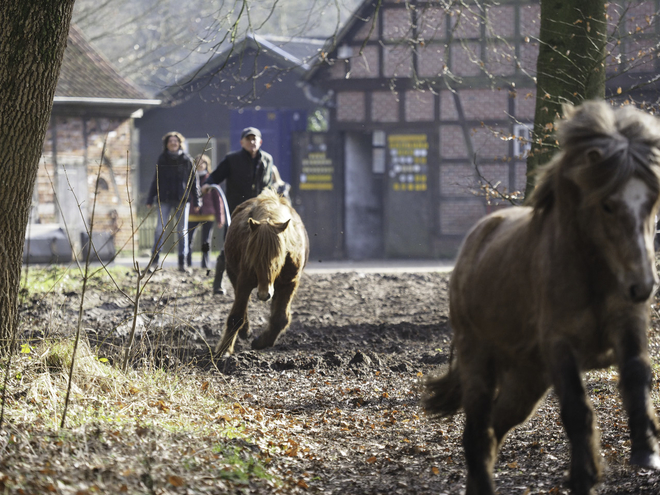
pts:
pixel 265 295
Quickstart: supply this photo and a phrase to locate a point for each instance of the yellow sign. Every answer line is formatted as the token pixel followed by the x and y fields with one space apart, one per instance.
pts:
pixel 317 171
pixel 408 161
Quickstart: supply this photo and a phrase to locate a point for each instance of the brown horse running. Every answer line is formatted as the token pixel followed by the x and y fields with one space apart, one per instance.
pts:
pixel 266 248
pixel 542 293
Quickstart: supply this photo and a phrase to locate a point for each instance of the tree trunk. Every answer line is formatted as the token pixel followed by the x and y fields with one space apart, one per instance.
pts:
pixel 32 42
pixel 570 68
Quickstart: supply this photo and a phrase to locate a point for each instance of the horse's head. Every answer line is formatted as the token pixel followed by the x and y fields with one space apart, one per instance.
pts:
pixel 266 253
pixel 612 156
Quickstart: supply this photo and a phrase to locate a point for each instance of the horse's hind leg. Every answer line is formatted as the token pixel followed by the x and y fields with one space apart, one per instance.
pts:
pixel 236 320
pixel 578 418
pixel 478 380
pixel 636 381
pixel 520 390
pixel 280 315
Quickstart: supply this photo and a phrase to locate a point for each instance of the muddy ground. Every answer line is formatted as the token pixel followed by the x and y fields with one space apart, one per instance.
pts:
pixel 342 383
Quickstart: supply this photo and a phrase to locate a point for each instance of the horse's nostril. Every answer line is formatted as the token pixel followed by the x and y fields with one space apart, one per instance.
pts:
pixel 640 292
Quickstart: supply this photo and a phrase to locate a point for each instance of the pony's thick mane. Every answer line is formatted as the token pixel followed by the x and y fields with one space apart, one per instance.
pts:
pixel 601 147
pixel 265 248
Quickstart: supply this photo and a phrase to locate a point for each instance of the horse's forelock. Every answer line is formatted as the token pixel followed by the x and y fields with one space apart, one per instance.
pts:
pixel 602 147
pixel 265 250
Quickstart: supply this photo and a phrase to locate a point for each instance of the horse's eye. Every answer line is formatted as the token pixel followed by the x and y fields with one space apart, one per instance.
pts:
pixel 608 207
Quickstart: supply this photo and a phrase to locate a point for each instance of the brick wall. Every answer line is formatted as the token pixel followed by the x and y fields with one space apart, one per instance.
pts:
pixel 431 23
pixel 365 65
pixel 490 142
pixel 530 21
pixel 500 58
pixel 112 212
pixel 452 142
pixel 500 21
pixel 420 106
pixel 351 106
pixel 397 24
pixel 384 106
pixel 466 58
pixel 525 104
pixel 456 180
pixel 521 176
pixel 448 106
pixel 431 60
pixel 484 104
pixel 529 51
pixel 398 61
pixel 456 217
pixel 465 23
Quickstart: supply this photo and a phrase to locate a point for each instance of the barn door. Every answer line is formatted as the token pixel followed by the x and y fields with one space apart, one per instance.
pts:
pixel 317 192
pixel 407 197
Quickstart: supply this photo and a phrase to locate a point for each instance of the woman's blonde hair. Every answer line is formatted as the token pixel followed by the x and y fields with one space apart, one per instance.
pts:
pixel 202 158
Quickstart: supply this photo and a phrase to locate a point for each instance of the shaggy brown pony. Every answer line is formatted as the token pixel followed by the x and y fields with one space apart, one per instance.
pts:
pixel 541 293
pixel 266 247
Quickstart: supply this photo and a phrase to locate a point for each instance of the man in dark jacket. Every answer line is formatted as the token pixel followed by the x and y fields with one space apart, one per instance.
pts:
pixel 246 173
pixel 174 188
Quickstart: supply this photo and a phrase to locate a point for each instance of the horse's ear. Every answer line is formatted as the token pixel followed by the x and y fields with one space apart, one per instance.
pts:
pixel 281 227
pixel 253 223
pixel 567 110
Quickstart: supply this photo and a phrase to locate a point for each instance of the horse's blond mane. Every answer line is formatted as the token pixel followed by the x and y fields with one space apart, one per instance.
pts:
pixel 601 147
pixel 266 249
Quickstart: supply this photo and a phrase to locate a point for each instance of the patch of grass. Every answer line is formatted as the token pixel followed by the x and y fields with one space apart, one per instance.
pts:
pixel 168 429
pixel 58 278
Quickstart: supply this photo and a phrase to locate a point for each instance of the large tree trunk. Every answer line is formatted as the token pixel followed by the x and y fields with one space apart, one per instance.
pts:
pixel 570 68
pixel 32 42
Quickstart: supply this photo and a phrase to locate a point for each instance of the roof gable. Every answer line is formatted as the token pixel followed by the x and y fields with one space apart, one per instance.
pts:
pixel 86 74
pixel 287 54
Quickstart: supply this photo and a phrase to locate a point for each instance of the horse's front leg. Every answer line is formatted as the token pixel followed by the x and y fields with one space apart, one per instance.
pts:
pixel 237 318
pixel 479 442
pixel 636 379
pixel 578 418
pixel 280 315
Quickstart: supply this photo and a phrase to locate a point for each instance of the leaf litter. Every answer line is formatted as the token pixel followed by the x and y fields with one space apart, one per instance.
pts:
pixel 332 408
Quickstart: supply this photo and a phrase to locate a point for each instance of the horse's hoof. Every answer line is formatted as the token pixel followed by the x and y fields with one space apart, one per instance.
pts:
pixel 645 459
pixel 219 292
pixel 260 343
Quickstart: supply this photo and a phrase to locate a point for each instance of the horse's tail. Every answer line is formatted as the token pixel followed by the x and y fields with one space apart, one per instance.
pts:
pixel 441 394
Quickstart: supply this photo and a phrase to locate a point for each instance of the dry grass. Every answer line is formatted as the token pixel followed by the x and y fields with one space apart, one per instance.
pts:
pixel 135 432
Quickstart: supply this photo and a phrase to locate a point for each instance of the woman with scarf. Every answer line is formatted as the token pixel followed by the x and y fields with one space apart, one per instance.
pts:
pixel 174 188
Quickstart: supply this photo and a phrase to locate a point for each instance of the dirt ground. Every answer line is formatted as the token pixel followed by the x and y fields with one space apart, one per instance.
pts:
pixel 343 383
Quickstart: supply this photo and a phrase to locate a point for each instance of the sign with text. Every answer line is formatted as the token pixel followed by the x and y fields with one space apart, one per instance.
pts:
pixel 408 161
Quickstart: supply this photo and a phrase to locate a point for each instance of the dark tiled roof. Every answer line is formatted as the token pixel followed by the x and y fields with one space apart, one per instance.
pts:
pixel 86 74
pixel 296 53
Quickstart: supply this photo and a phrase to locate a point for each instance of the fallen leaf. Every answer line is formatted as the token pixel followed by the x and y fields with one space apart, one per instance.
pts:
pixel 175 480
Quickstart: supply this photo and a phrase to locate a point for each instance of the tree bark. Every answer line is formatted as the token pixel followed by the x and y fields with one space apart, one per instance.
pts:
pixel 570 68
pixel 32 42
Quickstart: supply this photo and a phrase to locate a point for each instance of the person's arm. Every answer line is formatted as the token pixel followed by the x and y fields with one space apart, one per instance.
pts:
pixel 153 189
pixel 195 190
pixel 217 176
